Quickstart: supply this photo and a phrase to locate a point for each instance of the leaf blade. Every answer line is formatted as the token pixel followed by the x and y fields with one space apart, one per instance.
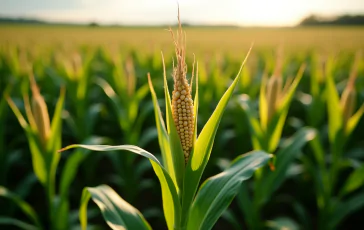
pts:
pixel 216 193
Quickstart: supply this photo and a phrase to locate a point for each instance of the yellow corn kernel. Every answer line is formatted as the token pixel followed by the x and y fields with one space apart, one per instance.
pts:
pixel 182 103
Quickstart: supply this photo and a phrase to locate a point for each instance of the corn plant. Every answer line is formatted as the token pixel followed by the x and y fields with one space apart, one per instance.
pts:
pixel 77 75
pixel 44 138
pixel 184 158
pixel 316 99
pixel 275 98
pixel 336 200
pixel 126 101
pixel 3 156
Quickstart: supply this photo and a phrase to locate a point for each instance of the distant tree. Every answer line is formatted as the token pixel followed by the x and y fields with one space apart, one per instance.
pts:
pixel 343 20
pixel 93 24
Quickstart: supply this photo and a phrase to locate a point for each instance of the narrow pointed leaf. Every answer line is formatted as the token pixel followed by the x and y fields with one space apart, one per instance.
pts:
pixel 345 208
pixel 258 139
pixel 117 213
pixel 284 158
pixel 163 138
pixel 195 108
pixel 355 181
pixel 334 109
pixel 24 206
pixel 276 131
pixel 171 204
pixel 217 192
pixel 55 138
pixel 354 120
pixel 263 105
pixel 17 223
pixel 286 100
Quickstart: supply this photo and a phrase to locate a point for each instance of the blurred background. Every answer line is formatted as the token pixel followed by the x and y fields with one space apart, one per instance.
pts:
pixel 101 51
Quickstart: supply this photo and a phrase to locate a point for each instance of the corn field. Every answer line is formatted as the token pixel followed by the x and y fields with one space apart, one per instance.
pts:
pixel 268 138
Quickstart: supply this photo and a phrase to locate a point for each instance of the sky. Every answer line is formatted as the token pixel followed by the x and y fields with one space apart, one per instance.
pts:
pixel 152 12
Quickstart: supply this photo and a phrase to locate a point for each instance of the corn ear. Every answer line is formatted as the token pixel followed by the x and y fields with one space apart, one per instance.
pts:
pixel 182 103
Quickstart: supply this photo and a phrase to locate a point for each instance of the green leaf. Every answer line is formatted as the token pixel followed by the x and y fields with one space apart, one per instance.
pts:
pixel 284 157
pixel 163 137
pixel 195 107
pixel 68 174
pixel 116 103
pixel 24 206
pixel 263 105
pixel 245 202
pixel 276 125
pixel 171 206
pixel 54 142
pixel 345 208
pixel 201 151
pixel 117 213
pixel 18 223
pixel 354 120
pixel 334 109
pixel 275 129
pixel 257 136
pixel 283 223
pixel 355 181
pixel 174 140
pixel 286 100
pixel 217 192
pixel 38 160
pixel 229 216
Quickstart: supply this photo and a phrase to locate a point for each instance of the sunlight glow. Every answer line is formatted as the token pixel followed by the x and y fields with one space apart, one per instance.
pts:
pixel 146 12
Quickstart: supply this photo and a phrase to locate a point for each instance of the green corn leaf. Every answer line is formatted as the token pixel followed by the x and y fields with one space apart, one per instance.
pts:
pixel 272 180
pixel 163 137
pixel 3 154
pixel 354 120
pixel 117 213
pixel 258 134
pixel 245 202
pixel 174 140
pixel 229 216
pixel 355 181
pixel 217 192
pixel 276 125
pixel 334 109
pixel 195 108
pixel 263 104
pixel 17 223
pixel 38 159
pixel 140 94
pixel 73 161
pixel 171 206
pixel 24 206
pixel 345 208
pixel 68 174
pixel 281 223
pixel 201 152
pixel 275 129
pixel 54 142
pixel 286 100
pixel 116 103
